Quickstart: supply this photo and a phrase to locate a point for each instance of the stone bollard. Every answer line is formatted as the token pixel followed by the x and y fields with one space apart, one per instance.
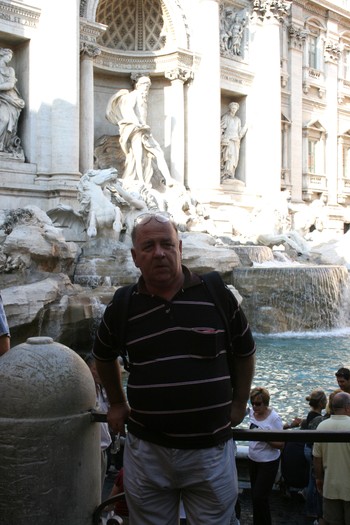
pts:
pixel 49 449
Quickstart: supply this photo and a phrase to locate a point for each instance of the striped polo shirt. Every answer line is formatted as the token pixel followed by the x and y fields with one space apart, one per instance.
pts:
pixel 179 387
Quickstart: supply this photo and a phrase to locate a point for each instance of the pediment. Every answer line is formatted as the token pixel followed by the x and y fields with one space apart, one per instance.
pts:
pixel 314 124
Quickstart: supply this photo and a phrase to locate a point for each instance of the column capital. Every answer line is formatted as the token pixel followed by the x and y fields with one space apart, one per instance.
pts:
pixel 297 36
pixel 179 74
pixel 89 50
pixel 266 9
pixel 332 51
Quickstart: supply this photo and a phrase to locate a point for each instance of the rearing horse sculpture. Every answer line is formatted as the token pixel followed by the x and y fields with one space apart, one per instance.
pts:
pixel 100 214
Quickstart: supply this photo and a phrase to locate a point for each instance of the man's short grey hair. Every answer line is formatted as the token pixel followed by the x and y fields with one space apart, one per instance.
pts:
pixel 340 400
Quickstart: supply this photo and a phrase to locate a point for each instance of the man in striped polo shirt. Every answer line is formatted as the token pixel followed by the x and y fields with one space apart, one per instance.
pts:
pixel 180 403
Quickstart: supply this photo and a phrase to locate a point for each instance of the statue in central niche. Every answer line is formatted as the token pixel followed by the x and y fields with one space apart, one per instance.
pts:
pixel 144 156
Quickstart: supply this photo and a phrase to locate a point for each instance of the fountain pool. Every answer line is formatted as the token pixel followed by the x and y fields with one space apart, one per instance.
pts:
pixel 291 365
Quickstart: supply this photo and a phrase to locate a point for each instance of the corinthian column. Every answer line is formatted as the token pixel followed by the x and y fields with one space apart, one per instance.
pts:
pixel 177 152
pixel 87 54
pixel 263 144
pixel 297 37
pixel 204 101
pixel 332 54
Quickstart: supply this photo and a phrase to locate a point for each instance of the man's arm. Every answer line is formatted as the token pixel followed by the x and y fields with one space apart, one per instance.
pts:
pixel 319 475
pixel 243 373
pixel 4 344
pixel 118 413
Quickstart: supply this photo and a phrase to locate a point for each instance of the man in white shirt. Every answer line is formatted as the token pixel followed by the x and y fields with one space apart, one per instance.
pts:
pixel 332 464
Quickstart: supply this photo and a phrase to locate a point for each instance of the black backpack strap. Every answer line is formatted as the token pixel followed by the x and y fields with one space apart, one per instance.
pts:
pixel 121 301
pixel 219 293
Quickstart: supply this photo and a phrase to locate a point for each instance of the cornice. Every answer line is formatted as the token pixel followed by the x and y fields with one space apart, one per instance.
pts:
pixel 233 75
pixel 20 14
pixel 321 7
pixel 90 31
pixel 155 63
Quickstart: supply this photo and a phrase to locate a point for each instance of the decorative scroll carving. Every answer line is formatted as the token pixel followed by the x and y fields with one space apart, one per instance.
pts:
pixel 297 36
pixel 83 4
pixel 271 8
pixel 332 51
pixel 179 74
pixel 90 50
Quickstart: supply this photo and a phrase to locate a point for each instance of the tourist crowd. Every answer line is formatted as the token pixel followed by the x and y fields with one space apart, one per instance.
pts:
pixel 319 472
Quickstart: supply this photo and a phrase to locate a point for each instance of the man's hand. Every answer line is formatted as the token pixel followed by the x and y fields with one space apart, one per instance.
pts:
pixel 319 486
pixel 4 344
pixel 117 416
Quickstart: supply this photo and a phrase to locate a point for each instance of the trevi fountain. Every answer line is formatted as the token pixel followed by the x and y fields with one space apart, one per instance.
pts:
pixel 61 263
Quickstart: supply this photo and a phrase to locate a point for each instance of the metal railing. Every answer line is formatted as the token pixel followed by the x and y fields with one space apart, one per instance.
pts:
pixel 294 435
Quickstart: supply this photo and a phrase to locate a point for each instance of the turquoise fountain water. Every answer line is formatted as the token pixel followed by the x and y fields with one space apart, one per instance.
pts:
pixel 291 365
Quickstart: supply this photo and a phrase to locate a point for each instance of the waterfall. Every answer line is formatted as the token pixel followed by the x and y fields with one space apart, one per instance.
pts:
pixel 294 298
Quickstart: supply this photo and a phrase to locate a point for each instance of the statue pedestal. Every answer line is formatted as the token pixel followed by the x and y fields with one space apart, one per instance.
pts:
pixel 234 184
pixel 17 156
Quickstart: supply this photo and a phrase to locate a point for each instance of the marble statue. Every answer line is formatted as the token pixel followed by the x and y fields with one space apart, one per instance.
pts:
pixel 97 215
pixel 271 224
pixel 11 106
pixel 231 32
pixel 107 205
pixel 318 209
pixel 232 132
pixel 128 110
pixel 95 205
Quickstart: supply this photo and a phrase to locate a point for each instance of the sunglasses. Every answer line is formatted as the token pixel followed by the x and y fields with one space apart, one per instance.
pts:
pixel 256 403
pixel 159 216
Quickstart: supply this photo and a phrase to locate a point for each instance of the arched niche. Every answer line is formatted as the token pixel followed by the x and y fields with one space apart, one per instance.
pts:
pixel 123 40
pixel 172 13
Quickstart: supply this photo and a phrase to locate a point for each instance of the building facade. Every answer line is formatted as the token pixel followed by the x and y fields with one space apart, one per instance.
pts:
pixel 286 63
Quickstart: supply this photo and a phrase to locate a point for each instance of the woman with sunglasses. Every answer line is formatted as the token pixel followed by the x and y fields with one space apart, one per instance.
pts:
pixel 263 456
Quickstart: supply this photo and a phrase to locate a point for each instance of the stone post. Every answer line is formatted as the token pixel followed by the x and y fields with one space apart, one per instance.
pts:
pixel 50 449
pixel 87 54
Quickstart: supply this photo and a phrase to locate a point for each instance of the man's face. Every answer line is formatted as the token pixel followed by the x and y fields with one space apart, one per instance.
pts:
pixel 157 252
pixel 343 383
